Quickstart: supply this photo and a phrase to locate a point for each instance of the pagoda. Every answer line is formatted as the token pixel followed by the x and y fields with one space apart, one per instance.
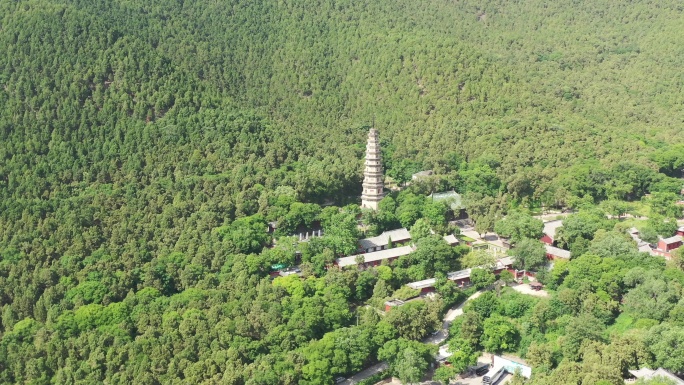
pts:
pixel 373 184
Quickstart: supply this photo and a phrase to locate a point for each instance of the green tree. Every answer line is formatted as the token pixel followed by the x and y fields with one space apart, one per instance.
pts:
pixel 469 329
pixel 408 360
pixel 498 334
pixel 444 374
pixel 665 227
pixel 666 343
pixel 529 254
pixel 420 229
pixel 653 297
pixel 579 228
pixel 648 234
pixel 414 320
pixel 481 278
pixel 519 225
pixel 479 258
pixel 247 235
pixel 611 244
pixel 463 354
pixel 585 327
pixel 615 207
pixel 507 276
pixel 663 204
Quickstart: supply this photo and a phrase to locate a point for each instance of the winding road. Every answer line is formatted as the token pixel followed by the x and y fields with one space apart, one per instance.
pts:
pixel 436 339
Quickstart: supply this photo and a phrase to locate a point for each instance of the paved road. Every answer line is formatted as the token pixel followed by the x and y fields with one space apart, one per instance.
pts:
pixel 449 317
pixel 362 375
pixel 436 339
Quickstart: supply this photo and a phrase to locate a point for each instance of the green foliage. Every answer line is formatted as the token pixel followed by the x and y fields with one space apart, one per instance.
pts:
pixel 611 244
pixel 578 229
pixel 481 278
pixel 444 374
pixel 654 297
pixel 415 319
pixel 518 225
pixel 467 328
pixel 479 258
pixel 405 293
pixel 666 343
pixel 463 355
pixel 420 229
pixel 499 334
pixel 530 254
pixel 664 227
pixel 247 235
pixel 408 360
pixel 585 327
pixel 432 256
pixel 343 351
pixel 648 234
pixel 506 276
pixel 146 144
pixel 449 292
pixel 615 208
pixel 484 210
pixel 663 203
pixel 484 305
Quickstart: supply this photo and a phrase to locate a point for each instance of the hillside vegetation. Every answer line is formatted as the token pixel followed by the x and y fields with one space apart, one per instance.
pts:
pixel 143 145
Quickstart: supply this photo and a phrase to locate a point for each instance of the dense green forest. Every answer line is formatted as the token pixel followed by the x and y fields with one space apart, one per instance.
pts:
pixel 144 145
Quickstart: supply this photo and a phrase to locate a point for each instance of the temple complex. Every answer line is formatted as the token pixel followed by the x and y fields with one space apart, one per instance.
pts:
pixel 373 181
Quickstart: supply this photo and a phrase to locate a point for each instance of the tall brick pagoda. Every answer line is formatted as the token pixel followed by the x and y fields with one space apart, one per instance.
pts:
pixel 373 181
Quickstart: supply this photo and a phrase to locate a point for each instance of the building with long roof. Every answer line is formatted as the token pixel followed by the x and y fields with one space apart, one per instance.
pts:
pixel 382 241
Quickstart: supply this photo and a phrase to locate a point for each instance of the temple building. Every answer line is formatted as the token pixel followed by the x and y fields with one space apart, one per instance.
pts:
pixel 373 181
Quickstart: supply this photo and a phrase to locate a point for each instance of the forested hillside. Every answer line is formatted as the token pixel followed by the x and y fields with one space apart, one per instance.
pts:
pixel 143 145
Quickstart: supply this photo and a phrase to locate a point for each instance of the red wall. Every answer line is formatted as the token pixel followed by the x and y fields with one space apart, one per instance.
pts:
pixel 663 247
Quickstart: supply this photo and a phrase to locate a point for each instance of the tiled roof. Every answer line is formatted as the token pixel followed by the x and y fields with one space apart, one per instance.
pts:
pixel 555 251
pixel 422 284
pixel 551 227
pixel 451 239
pixel 675 239
pixel 376 256
pixel 457 275
pixel 647 374
pixel 382 240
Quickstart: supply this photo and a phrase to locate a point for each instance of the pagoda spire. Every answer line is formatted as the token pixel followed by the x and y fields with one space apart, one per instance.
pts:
pixel 373 181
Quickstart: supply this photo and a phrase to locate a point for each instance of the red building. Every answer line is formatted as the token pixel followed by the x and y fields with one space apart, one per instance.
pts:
pixel 550 228
pixel 375 258
pixel 393 303
pixel 556 253
pixel 462 277
pixel 667 245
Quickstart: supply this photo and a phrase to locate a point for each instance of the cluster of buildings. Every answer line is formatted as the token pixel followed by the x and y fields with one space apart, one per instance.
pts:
pixel 549 240
pixel 387 246
pixel 391 245
pixel 462 277
pixel 664 247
